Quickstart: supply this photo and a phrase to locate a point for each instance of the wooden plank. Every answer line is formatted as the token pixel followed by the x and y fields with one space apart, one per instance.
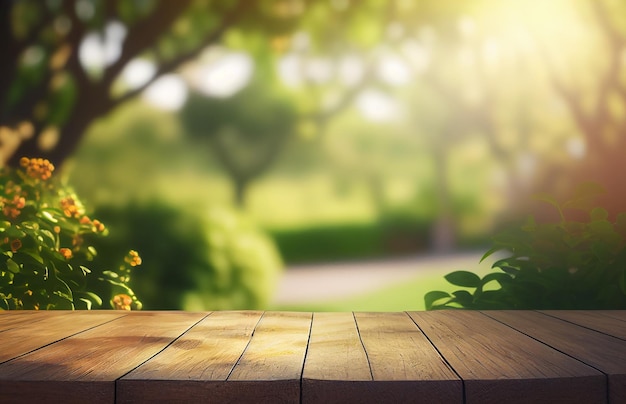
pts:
pixel 14 318
pixel 49 328
pixel 617 314
pixel 195 367
pixel 603 352
pixel 499 364
pixel 84 367
pixel 336 367
pixel 608 324
pixel 271 367
pixel 404 364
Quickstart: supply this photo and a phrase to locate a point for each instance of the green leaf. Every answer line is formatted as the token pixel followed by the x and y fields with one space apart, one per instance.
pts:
pixel 13 266
pixel 87 302
pixel 489 253
pixel 110 274
pixel 92 297
pixel 598 214
pixel 92 251
pixel 38 258
pixel 496 276
pixel 463 278
pixel 548 199
pixel 510 270
pixel 48 238
pixel 463 297
pixel 48 216
pixel 14 232
pixel 494 299
pixel 502 262
pixel 432 297
pixel 622 281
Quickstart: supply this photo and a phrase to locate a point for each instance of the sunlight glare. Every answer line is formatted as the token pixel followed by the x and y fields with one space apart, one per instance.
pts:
pixel 351 70
pixel 377 106
pixel 169 93
pixel 138 72
pixel 289 70
pixel 224 76
pixel 98 51
pixel 393 70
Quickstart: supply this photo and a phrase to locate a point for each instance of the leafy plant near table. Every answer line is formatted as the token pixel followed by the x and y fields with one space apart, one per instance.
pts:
pixel 45 260
pixel 567 264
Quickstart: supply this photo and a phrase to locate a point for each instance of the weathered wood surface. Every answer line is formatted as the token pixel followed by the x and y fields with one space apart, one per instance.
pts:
pixel 273 357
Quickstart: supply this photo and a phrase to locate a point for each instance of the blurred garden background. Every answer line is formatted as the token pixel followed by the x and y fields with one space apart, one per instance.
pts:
pixel 229 141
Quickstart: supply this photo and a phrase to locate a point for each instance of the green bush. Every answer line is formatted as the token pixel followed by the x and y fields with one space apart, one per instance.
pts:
pixel 46 261
pixel 220 261
pixel 246 266
pixel 567 264
pixel 326 243
pixel 392 235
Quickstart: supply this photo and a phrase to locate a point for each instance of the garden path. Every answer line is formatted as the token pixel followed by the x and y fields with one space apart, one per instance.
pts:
pixel 321 282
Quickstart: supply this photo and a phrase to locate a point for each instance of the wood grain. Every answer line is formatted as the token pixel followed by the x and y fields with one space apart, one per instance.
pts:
pixel 602 321
pixel 603 352
pixel 84 367
pixel 203 358
pixel 271 367
pixel 404 364
pixel 499 364
pixel 45 329
pixel 274 357
pixel 336 367
pixel 15 318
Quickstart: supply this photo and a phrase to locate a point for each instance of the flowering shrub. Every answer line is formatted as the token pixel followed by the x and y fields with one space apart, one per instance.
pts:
pixel 45 260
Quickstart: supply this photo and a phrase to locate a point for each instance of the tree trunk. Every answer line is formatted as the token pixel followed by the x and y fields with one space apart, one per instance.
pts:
pixel 443 236
pixel 240 185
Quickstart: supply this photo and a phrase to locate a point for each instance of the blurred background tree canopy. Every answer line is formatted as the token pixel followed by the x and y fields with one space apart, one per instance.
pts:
pixel 344 129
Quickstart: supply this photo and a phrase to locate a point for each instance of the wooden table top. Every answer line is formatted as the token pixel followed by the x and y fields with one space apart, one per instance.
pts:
pixel 254 356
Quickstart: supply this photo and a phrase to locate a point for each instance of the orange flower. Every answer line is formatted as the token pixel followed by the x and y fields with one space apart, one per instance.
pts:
pixel 133 258
pixel 66 253
pixel 70 207
pixel 11 208
pixel 122 302
pixel 98 225
pixel 37 168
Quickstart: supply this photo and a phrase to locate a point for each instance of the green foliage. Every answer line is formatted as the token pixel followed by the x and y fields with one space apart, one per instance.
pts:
pixel 246 131
pixel 246 266
pixel 350 241
pixel 45 259
pixel 568 264
pixel 192 262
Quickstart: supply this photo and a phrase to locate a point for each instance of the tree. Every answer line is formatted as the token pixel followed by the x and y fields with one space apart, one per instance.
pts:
pixel 49 94
pixel 595 97
pixel 246 131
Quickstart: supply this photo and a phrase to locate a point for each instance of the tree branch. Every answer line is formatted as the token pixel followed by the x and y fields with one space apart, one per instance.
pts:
pixel 170 65
pixel 143 35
